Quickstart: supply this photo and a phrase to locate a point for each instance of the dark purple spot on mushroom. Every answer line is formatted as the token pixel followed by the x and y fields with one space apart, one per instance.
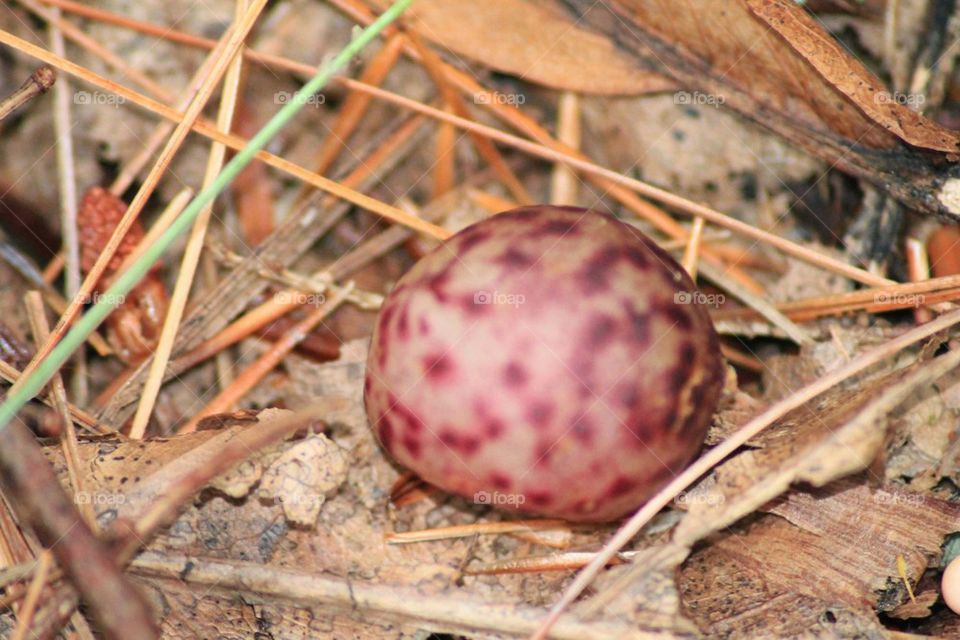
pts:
pixel 639 323
pixel 600 331
pixel 539 414
pixel 582 430
pixel 597 268
pixel 424 325
pixel 437 366
pixel 403 323
pixel 494 428
pixel 514 374
pixel 676 315
pixel 558 227
pixel 542 454
pixel 412 444
pixel 413 422
pixel 437 284
pixel 515 259
pixel 500 481
pixel 472 239
pixel 539 498
pixel 386 433
pixel 681 373
pixel 628 395
pixel 621 486
pixel 449 438
pixel 637 257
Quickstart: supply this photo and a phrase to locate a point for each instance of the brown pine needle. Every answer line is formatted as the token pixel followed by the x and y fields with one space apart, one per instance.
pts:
pixel 560 562
pixel 692 251
pixel 455 104
pixel 30 601
pixel 478 528
pixel 68 435
pixel 564 183
pixel 355 106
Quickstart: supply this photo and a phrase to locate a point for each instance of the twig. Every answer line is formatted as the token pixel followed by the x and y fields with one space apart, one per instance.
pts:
pixel 479 528
pixel 27 477
pixel 39 82
pixel 714 456
pixel 563 181
pixel 11 374
pixel 691 252
pixel 67 179
pixel 25 615
pixel 68 436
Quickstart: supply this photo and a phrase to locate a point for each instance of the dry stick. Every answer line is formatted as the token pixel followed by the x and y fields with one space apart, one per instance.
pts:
pixel 39 82
pixel 266 362
pixel 563 181
pixel 25 615
pixel 692 250
pixel 918 268
pixel 67 180
pixel 116 604
pixel 231 41
pixel 445 159
pixel 355 106
pixel 68 436
pixel 443 613
pixel 900 296
pixel 191 253
pixel 434 67
pixel 235 142
pixel 477 528
pixel 716 455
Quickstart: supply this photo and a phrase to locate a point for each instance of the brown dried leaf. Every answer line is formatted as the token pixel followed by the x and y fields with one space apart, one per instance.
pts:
pixel 533 40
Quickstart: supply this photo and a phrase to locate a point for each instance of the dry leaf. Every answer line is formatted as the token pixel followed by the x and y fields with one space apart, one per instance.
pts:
pixel 532 40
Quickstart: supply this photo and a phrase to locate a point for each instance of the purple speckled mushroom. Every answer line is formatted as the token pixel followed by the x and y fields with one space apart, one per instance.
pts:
pixel 551 360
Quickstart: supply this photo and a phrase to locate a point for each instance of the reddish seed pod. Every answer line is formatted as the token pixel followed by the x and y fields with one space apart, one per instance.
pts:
pixel 550 360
